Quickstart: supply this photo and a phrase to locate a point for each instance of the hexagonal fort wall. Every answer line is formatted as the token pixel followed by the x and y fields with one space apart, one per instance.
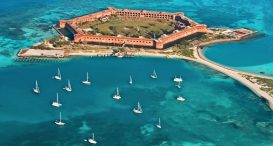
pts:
pixel 80 36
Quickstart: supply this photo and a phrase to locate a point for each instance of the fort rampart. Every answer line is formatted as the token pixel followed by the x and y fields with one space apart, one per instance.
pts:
pixel 80 36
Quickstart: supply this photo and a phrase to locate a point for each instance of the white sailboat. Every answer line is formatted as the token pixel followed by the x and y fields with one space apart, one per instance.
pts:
pixel 158 125
pixel 178 85
pixel 117 96
pixel 56 103
pixel 36 89
pixel 130 80
pixel 68 88
pixel 138 110
pixel 180 98
pixel 86 82
pixel 60 122
pixel 177 79
pixel 154 75
pixel 58 76
pixel 91 140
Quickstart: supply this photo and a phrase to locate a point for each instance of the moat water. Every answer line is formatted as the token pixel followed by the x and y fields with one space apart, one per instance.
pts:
pixel 217 110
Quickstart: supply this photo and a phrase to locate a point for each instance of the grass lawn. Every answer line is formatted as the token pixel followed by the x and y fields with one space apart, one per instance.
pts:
pixel 131 27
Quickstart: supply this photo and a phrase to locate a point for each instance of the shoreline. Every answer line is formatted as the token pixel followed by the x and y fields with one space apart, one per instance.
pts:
pixel 232 73
pixel 237 75
pixel 197 56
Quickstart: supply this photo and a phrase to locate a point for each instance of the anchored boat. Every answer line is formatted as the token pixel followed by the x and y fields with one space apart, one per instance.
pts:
pixel 130 80
pixel 117 96
pixel 158 125
pixel 138 109
pixel 56 103
pixel 68 88
pixel 86 82
pixel 58 76
pixel 60 122
pixel 36 89
pixel 180 98
pixel 154 75
pixel 91 140
pixel 177 79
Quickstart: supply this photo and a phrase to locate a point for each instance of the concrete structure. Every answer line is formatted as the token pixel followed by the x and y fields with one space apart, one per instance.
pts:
pixel 190 27
pixel 41 53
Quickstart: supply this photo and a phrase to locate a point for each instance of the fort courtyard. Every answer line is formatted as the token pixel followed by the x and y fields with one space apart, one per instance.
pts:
pixel 116 26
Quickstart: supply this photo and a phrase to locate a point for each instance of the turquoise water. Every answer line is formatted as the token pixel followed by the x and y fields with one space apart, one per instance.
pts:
pixel 26 22
pixel 217 110
pixel 251 55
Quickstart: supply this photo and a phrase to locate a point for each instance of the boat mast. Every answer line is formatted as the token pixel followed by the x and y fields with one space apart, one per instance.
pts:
pixel 59 73
pixel 69 86
pixel 117 92
pixel 37 86
pixel 60 116
pixel 57 98
pixel 139 107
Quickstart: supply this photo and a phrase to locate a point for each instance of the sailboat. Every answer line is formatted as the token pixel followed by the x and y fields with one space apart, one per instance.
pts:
pixel 86 82
pixel 68 88
pixel 60 122
pixel 117 96
pixel 180 98
pixel 91 140
pixel 177 79
pixel 36 89
pixel 158 125
pixel 154 75
pixel 131 80
pixel 56 103
pixel 58 76
pixel 178 85
pixel 138 110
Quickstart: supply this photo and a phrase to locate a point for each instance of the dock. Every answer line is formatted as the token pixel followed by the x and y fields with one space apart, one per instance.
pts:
pixel 41 53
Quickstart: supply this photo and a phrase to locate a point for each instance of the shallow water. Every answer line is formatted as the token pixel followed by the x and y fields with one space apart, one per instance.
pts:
pixel 26 22
pixel 217 110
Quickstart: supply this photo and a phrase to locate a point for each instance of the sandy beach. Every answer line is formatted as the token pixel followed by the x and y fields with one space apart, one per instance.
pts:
pixel 237 75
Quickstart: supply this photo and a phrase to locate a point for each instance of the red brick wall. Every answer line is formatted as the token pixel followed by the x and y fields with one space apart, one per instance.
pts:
pixel 179 35
pixel 146 14
pixel 62 23
pixel 140 41
pixel 114 40
pixel 93 16
pixel 128 40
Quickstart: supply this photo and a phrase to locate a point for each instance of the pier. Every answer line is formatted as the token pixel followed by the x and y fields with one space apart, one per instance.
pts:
pixel 41 53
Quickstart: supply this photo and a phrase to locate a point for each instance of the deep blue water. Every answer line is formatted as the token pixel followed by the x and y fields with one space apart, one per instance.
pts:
pixel 217 110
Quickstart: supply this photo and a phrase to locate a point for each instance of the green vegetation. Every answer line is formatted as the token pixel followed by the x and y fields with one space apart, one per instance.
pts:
pixel 42 47
pixel 267 84
pixel 183 48
pixel 58 42
pixel 131 27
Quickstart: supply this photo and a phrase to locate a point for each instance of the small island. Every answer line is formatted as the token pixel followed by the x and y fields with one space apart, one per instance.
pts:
pixel 129 33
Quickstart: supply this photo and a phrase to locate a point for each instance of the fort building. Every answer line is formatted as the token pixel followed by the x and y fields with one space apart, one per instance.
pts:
pixel 184 27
